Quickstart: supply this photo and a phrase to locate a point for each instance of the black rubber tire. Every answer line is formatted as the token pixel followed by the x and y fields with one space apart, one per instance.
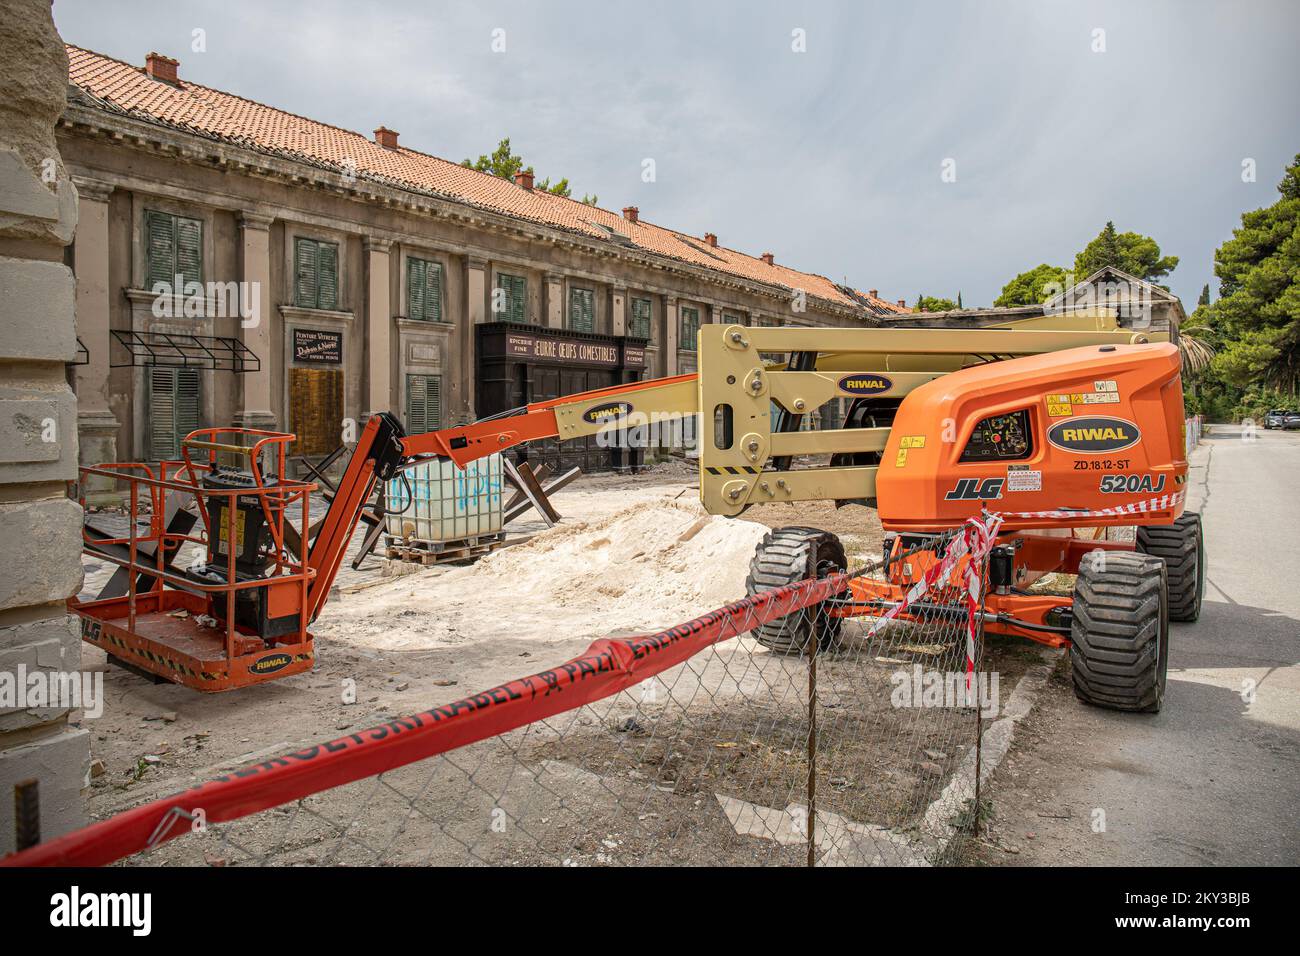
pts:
pixel 1182 547
pixel 785 556
pixel 1119 653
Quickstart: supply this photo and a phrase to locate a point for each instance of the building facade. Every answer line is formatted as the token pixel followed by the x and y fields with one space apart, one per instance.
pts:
pixel 239 264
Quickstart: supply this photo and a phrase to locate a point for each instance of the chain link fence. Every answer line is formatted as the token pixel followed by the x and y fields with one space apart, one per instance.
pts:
pixel 775 731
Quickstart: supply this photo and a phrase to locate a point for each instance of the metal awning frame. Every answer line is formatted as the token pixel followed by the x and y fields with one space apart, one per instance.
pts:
pixel 179 350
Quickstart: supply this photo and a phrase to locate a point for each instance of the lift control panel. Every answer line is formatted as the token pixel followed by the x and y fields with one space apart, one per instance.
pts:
pixel 999 437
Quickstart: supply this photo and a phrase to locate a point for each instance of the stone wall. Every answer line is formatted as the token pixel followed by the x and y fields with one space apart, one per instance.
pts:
pixel 39 525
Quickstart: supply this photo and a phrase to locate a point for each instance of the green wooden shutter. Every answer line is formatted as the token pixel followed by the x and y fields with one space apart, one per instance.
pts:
pixel 423 403
pixel 516 293
pixel 690 328
pixel 582 313
pixel 327 265
pixel 304 266
pixel 162 413
pixel 187 403
pixel 501 295
pixel 433 291
pixel 160 249
pixel 174 409
pixel 415 274
pixel 639 327
pixel 189 249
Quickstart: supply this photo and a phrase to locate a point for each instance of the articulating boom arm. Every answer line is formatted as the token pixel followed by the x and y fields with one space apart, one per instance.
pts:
pixel 566 418
pixel 746 459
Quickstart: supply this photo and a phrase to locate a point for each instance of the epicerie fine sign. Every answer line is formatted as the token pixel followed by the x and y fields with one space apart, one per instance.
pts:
pixel 317 345
pixel 562 350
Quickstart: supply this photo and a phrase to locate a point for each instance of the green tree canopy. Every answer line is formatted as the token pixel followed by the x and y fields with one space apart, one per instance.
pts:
pixel 929 303
pixel 504 164
pixel 1030 287
pixel 1131 252
pixel 1256 319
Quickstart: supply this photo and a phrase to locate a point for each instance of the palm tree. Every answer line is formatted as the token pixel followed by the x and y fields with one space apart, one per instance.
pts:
pixel 1195 348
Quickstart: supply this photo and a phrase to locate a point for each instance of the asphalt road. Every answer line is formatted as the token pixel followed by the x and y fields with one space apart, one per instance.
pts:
pixel 1214 779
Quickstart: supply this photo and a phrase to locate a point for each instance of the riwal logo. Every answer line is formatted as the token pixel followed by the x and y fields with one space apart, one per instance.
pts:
pixel 1094 435
pixel 866 384
pixel 607 412
pixel 270 663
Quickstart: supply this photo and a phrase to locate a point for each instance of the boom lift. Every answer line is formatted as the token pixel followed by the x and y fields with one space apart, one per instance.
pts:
pixel 1043 421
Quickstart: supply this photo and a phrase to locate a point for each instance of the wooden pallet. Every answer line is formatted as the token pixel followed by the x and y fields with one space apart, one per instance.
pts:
pixel 444 552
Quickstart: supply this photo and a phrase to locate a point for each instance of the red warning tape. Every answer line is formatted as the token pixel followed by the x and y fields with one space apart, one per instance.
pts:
pixel 608 667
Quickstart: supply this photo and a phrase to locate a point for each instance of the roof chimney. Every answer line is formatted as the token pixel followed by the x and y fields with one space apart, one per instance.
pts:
pixel 386 137
pixel 161 67
pixel 524 178
pixel 902 303
pixel 874 293
pixel 630 213
pixel 711 239
pixel 768 258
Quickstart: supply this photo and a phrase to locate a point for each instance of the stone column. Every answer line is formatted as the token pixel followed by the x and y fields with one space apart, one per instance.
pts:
pixel 97 426
pixel 40 526
pixel 670 335
pixel 554 300
pixel 618 312
pixel 476 288
pixel 255 232
pixel 379 323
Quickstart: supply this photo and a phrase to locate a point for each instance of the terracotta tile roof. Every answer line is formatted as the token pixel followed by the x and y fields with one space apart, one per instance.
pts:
pixel 233 119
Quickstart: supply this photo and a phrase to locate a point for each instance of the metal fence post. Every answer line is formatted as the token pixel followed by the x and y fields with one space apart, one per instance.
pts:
pixel 812 750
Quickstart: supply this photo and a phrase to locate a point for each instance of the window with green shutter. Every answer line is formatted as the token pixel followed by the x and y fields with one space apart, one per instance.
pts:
pixel 731 318
pixel 690 326
pixel 423 290
pixel 510 302
pixel 582 310
pixel 423 403
pixel 173 246
pixel 638 325
pixel 316 274
pixel 173 410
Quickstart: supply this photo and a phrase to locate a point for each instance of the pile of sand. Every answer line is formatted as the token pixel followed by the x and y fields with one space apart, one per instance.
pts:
pixel 641 569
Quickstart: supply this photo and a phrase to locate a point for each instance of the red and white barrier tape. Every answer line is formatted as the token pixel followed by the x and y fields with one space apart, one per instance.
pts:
pixel 1162 503
pixel 977 539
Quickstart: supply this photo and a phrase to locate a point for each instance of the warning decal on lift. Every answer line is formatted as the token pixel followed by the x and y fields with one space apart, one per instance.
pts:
pixel 1105 392
pixel 1023 478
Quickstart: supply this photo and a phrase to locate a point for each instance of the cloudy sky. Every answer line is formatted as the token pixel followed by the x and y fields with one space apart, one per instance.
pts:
pixel 833 157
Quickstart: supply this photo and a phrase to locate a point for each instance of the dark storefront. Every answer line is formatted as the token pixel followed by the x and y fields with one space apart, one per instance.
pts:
pixel 520 364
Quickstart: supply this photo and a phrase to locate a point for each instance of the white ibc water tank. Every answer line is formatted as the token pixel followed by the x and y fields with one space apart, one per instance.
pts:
pixel 444 502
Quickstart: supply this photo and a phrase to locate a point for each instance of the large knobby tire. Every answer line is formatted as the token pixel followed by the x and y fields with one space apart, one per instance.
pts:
pixel 1182 546
pixel 1119 653
pixel 785 556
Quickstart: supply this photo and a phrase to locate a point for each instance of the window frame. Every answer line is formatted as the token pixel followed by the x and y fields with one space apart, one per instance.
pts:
pixel 509 315
pixel 413 427
pixel 425 314
pixel 649 317
pixel 688 343
pixel 299 242
pixel 176 222
pixel 581 292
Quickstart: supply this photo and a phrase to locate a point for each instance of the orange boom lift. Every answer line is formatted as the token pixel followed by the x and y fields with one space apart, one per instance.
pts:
pixel 1063 426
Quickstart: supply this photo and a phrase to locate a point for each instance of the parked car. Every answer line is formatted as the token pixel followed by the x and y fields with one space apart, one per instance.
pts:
pixel 1275 419
pixel 1291 420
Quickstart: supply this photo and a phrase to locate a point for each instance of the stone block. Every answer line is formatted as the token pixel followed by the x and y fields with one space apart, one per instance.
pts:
pixel 60 763
pixel 41 544
pixel 38 302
